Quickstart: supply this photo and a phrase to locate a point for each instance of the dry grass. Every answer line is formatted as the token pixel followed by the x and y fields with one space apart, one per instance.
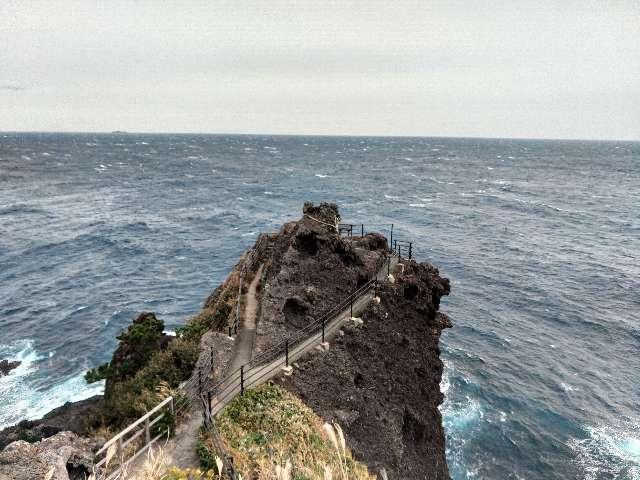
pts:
pixel 154 467
pixel 273 435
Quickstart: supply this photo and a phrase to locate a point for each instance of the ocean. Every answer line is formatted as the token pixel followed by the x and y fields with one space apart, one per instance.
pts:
pixel 541 240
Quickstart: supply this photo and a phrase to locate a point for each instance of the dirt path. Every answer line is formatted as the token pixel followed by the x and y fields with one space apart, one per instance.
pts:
pixel 247 334
pixel 180 450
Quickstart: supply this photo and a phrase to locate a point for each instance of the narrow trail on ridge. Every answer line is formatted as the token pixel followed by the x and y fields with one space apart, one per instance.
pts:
pixel 244 341
pixel 180 450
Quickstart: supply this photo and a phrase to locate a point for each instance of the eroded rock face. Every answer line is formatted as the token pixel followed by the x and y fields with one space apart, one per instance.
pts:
pixel 65 452
pixel 308 269
pixel 7 365
pixel 381 381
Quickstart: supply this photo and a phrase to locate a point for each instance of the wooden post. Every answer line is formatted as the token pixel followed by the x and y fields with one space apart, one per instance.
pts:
pixel 241 379
pixel 409 250
pixel 120 450
pixel 147 432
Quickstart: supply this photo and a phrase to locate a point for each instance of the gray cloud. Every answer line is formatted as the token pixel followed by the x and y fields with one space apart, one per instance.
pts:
pixel 563 69
pixel 13 87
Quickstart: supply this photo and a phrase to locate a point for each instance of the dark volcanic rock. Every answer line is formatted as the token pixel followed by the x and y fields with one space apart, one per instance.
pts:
pixel 6 366
pixel 72 416
pixel 308 269
pixel 381 381
pixel 325 212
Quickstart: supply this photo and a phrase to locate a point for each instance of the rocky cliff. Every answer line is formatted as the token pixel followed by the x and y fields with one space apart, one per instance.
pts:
pixel 379 380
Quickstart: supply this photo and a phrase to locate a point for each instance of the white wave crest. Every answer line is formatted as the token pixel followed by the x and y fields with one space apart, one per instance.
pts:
pixel 20 387
pixel 609 452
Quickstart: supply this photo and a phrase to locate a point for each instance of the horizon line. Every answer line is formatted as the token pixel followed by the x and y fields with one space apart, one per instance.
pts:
pixel 328 135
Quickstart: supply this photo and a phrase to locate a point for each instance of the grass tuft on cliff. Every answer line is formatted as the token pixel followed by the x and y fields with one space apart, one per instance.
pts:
pixel 268 427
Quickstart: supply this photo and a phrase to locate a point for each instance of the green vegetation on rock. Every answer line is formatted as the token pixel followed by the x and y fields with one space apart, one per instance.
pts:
pixel 148 365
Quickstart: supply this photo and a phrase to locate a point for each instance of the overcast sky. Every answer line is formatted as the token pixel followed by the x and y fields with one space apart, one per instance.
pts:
pixel 494 69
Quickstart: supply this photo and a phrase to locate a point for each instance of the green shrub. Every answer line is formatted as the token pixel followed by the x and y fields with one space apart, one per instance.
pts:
pixel 96 374
pixel 146 358
pixel 208 319
pixel 166 426
pixel 207 457
pixel 135 396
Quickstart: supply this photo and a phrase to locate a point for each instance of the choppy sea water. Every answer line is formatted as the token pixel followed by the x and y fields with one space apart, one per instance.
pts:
pixel 541 240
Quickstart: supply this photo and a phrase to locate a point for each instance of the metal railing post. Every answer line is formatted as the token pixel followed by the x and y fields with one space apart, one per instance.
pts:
pixel 229 330
pixel 362 225
pixel 352 305
pixel 409 250
pixel 322 329
pixel 286 352
pixel 242 380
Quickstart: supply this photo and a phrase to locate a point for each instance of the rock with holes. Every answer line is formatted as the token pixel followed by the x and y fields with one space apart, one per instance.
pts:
pixel 67 454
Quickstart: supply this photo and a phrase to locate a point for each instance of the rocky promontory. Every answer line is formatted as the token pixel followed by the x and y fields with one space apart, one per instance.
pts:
pixel 378 379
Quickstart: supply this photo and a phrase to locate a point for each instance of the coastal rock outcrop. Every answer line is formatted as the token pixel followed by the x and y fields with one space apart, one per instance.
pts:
pixel 66 455
pixel 7 365
pixel 72 416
